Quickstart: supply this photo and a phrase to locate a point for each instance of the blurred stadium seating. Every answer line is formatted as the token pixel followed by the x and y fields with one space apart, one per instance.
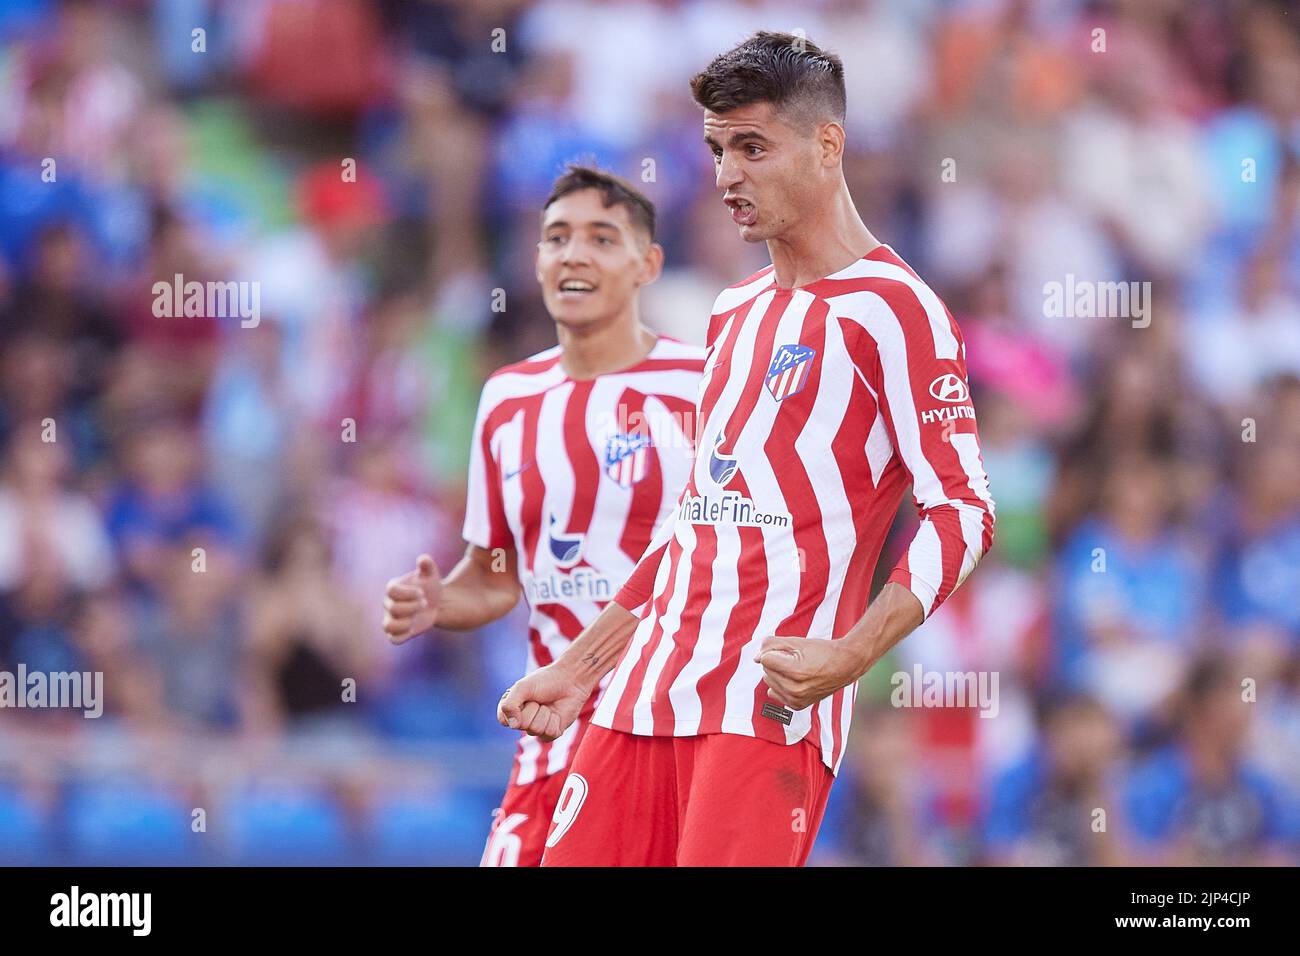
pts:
pixel 1172 156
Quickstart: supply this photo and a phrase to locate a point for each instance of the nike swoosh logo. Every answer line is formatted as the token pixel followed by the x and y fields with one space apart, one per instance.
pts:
pixel 516 472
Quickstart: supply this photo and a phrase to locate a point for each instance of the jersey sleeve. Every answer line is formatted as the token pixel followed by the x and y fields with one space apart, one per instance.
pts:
pixel 485 516
pixel 639 587
pixel 918 372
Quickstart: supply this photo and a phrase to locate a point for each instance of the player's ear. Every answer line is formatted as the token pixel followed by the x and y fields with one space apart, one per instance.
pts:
pixel 652 264
pixel 830 140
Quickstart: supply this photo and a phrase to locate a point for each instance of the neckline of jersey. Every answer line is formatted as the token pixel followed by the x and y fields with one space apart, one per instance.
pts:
pixel 773 287
pixel 634 367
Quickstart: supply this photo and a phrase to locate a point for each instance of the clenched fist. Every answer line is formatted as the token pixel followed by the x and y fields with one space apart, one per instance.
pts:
pixel 411 601
pixel 800 671
pixel 544 703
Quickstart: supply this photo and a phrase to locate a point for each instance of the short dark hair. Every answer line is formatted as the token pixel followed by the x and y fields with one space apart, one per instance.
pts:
pixel 791 72
pixel 614 191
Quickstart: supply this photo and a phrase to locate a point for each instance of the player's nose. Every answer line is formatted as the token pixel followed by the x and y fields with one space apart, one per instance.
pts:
pixel 728 173
pixel 574 252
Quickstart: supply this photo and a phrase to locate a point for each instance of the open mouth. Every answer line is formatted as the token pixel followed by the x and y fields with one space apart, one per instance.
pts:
pixel 743 212
pixel 575 288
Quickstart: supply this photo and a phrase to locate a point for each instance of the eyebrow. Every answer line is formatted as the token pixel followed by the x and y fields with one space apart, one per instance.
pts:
pixel 737 138
pixel 597 224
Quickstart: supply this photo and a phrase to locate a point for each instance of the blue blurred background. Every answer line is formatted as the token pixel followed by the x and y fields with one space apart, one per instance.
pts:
pixel 1170 156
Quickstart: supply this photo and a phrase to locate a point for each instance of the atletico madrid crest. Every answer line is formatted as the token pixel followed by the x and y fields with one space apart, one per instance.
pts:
pixel 627 458
pixel 788 373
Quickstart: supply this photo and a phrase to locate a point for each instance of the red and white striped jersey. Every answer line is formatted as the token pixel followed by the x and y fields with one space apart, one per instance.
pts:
pixel 817 408
pixel 575 476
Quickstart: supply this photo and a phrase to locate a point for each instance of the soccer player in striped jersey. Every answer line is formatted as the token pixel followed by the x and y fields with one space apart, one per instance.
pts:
pixel 579 453
pixel 834 379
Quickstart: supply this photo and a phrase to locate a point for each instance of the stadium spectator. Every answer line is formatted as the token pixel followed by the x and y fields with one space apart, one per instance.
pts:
pixel 1052 808
pixel 1200 801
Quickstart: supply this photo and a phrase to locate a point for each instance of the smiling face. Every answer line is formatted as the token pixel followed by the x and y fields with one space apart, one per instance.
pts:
pixel 591 259
pixel 770 174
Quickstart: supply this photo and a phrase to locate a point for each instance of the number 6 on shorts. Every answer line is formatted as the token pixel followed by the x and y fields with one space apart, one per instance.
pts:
pixel 566 808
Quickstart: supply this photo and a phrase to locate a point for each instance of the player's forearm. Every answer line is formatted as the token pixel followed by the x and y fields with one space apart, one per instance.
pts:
pixel 894 614
pixel 474 595
pixel 597 649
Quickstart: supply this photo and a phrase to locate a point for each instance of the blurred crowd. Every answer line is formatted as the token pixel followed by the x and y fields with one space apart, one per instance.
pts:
pixel 206 509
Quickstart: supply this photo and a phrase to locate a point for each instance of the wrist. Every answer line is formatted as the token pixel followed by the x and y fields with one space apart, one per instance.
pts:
pixel 578 668
pixel 861 648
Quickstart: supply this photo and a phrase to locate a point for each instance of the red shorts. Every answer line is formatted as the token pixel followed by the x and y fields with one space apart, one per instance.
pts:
pixel 715 800
pixel 519 828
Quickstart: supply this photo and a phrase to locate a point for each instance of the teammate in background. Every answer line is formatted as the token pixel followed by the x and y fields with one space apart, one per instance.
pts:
pixel 835 378
pixel 579 453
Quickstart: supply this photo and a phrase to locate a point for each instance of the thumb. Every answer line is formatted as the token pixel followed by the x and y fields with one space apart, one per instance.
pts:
pixel 426 566
pixel 776 651
pixel 508 707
